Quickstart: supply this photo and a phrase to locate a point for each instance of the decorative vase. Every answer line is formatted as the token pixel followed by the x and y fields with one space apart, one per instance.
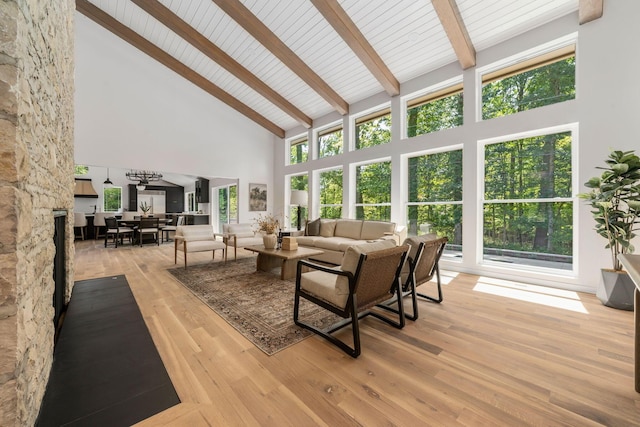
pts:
pixel 269 241
pixel 616 290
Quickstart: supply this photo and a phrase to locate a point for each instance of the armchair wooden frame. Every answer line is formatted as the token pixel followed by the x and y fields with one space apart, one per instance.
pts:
pixel 376 279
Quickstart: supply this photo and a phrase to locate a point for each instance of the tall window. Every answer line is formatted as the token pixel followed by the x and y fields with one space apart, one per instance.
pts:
pixel 528 205
pixel 330 142
pixel 435 196
pixel 373 191
pixel 544 80
pixel 298 151
pixel 435 111
pixel 112 199
pixel 373 129
pixel 227 205
pixel 331 193
pixel 298 182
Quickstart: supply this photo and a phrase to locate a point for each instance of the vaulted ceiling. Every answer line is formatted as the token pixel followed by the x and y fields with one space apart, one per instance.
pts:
pixel 284 63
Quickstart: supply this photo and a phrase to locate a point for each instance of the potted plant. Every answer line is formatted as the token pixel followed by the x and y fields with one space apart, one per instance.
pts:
pixel 145 208
pixel 615 199
pixel 268 225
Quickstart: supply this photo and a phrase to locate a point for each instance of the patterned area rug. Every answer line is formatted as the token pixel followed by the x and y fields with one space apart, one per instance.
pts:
pixel 258 304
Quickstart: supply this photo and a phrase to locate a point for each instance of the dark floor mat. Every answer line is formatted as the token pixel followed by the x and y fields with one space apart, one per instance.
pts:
pixel 106 369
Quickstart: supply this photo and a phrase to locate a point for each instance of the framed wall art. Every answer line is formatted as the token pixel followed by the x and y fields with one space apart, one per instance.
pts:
pixel 257 197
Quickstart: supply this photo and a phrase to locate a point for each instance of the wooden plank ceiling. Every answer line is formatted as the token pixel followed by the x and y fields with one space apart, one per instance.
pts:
pixel 284 63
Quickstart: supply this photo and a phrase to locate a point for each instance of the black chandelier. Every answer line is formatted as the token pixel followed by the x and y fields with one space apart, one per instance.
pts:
pixel 143 177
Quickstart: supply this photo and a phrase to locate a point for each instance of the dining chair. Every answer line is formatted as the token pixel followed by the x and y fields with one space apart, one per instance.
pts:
pixel 80 221
pixel 118 232
pixel 149 226
pixel 166 229
pixel 99 222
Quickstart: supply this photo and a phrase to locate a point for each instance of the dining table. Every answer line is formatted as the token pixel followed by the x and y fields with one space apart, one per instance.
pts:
pixel 135 223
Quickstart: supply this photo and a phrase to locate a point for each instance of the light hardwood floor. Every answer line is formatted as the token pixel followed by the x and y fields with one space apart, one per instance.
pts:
pixel 476 359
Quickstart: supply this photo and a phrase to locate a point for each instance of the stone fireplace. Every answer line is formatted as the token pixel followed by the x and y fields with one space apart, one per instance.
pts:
pixel 36 178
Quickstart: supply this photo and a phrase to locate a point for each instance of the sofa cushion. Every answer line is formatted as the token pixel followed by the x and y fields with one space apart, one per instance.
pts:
pixel 327 227
pixel 376 229
pixel 350 228
pixel 333 243
pixel 312 228
pixel 308 240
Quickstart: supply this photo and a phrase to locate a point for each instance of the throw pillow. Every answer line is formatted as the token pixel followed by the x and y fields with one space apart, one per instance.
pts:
pixel 327 227
pixel 313 228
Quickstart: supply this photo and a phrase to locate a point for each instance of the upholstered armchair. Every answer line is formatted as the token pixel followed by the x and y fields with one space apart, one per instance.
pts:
pixel 240 235
pixel 369 274
pixel 197 238
pixel 422 264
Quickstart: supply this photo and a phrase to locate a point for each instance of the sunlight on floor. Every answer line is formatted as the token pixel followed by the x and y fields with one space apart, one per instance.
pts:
pixel 559 298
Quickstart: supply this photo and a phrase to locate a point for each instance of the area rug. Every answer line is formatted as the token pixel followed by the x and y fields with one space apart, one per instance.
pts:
pixel 257 304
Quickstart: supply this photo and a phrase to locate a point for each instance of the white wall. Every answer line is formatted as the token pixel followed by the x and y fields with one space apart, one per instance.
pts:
pixel 132 112
pixel 606 111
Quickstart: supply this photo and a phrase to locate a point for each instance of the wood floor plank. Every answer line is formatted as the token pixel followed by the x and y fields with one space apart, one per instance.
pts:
pixel 476 359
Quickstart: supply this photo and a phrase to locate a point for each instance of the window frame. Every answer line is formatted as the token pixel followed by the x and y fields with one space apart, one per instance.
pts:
pixel 432 93
pixel 366 117
pixel 326 131
pixel 317 180
pixel 523 60
pixel 453 255
pixel 573 199
pixel 297 141
pixel 354 185
pixel 104 198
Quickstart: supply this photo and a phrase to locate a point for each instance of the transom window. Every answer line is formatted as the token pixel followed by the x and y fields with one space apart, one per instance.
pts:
pixel 435 111
pixel 373 191
pixel 528 206
pixel 540 81
pixel 330 193
pixel 373 129
pixel 298 151
pixel 330 142
pixel 435 196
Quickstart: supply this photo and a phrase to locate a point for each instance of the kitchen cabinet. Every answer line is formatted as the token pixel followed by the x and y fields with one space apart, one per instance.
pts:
pixel 202 190
pixel 174 199
pixel 133 198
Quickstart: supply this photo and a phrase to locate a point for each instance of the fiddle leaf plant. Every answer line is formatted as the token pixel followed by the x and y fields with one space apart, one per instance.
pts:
pixel 615 199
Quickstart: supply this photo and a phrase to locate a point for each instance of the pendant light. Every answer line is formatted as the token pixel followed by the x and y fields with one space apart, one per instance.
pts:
pixel 107 183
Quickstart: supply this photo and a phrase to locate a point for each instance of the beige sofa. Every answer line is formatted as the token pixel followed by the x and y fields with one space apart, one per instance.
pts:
pixel 334 236
pixel 239 236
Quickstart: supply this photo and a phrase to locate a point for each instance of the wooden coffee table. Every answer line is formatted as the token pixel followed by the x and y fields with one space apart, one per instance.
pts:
pixel 268 259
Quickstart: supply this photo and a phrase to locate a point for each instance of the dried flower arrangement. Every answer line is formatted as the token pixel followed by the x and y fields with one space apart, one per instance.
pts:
pixel 267 223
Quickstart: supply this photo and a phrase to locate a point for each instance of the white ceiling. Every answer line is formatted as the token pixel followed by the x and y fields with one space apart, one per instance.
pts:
pixel 406 34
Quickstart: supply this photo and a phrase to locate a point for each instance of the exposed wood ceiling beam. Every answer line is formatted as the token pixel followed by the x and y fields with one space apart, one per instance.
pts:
pixel 94 13
pixel 347 29
pixel 247 20
pixel 588 10
pixel 191 35
pixel 451 20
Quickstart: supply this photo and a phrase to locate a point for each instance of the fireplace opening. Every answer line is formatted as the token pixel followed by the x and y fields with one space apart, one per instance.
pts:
pixel 59 270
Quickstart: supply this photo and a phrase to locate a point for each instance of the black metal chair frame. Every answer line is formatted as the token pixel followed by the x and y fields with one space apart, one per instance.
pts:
pixel 351 312
pixel 409 287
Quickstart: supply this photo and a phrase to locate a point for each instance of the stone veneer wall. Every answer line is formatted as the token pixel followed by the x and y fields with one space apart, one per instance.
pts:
pixel 36 177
